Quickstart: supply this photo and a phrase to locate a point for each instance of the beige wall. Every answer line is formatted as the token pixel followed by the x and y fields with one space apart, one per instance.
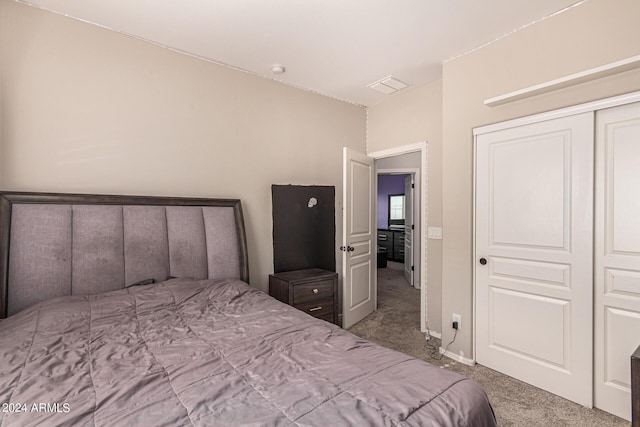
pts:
pixel 85 109
pixel 590 35
pixel 405 118
pixel 88 110
pixel 2 167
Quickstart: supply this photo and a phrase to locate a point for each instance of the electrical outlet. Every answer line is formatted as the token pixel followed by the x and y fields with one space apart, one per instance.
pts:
pixel 457 318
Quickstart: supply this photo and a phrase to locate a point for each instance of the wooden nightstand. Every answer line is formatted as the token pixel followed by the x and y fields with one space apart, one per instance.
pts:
pixel 313 291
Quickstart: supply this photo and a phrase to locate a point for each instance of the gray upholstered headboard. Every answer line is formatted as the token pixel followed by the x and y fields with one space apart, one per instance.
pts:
pixel 67 244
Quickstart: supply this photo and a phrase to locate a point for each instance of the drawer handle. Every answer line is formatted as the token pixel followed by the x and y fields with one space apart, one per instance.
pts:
pixel 315 291
pixel 315 309
pixel 382 237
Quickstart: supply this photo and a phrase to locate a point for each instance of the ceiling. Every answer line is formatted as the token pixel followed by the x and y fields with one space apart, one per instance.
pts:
pixel 332 47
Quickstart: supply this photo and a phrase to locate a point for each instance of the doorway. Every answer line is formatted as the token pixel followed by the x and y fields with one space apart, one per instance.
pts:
pixel 411 161
pixel 395 223
pixel 359 207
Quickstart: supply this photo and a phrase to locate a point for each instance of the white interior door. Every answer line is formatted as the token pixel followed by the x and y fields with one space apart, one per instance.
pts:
pixel 408 229
pixel 533 254
pixel 617 255
pixel 359 275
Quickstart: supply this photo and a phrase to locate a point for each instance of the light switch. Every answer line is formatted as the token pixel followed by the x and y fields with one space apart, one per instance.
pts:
pixel 434 232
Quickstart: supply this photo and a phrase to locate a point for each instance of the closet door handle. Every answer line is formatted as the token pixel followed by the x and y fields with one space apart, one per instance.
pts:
pixel 483 261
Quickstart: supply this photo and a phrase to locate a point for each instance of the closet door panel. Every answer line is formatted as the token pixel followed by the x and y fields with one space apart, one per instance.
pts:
pixel 617 255
pixel 534 248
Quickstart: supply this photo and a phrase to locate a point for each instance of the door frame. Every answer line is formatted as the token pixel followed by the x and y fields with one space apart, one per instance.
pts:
pixel 421 147
pixel 416 212
pixel 592 106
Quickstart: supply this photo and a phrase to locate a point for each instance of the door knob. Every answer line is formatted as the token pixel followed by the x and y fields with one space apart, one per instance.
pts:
pixel 483 261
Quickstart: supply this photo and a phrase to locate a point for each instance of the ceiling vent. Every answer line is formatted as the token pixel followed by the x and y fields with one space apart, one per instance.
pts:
pixel 388 85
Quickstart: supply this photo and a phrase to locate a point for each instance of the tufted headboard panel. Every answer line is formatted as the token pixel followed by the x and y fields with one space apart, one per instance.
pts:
pixel 68 244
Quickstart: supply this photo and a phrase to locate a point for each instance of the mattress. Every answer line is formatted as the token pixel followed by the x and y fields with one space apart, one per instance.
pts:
pixel 212 352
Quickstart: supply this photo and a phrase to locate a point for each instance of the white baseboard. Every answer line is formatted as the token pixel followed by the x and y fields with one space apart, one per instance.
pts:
pixel 458 358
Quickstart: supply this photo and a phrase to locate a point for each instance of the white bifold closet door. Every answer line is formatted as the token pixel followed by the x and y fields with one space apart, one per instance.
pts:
pixel 617 255
pixel 558 254
pixel 534 254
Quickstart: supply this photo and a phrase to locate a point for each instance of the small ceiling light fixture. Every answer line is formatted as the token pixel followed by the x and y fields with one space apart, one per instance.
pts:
pixel 277 69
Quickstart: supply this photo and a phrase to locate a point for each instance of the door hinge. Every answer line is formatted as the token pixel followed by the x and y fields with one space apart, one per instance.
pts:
pixel 413 227
pixel 412 268
pixel 413 185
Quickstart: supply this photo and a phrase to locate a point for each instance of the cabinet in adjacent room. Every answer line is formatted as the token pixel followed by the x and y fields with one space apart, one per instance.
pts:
pixel 393 243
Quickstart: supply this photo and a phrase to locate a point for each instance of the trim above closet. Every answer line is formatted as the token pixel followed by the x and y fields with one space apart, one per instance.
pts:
pixel 573 79
pixel 568 111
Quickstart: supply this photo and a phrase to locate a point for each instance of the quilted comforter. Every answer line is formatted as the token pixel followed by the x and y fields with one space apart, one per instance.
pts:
pixel 203 352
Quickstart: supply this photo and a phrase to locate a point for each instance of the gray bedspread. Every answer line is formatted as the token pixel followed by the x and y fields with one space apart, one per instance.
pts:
pixel 204 352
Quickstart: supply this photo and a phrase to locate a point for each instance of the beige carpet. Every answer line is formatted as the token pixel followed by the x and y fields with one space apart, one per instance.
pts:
pixel 396 325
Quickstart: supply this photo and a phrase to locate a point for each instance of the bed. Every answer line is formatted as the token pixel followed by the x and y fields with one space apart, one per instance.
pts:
pixel 122 310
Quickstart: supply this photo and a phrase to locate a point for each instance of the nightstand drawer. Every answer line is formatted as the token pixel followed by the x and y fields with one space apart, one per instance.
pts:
pixel 322 309
pixel 314 291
